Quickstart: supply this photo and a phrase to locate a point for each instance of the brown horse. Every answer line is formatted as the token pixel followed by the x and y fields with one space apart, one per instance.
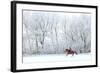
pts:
pixel 70 51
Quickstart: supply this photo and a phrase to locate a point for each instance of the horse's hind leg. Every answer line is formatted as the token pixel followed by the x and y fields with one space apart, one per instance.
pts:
pixel 76 53
pixel 72 54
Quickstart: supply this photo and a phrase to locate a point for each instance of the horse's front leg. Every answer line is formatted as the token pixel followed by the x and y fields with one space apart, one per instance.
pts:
pixel 66 54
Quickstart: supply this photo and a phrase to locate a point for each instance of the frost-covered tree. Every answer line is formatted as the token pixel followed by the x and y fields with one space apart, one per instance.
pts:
pixel 52 32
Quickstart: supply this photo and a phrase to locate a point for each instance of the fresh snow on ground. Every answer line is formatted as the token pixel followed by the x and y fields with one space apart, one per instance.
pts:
pixel 56 58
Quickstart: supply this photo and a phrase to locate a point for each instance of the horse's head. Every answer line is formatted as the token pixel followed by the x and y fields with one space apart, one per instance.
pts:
pixel 66 50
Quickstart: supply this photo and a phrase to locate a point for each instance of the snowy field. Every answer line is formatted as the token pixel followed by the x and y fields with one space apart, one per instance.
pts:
pixel 56 58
